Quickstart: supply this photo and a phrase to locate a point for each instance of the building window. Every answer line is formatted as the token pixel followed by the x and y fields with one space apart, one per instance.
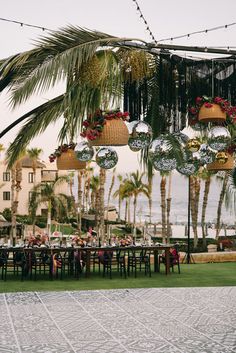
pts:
pixel 31 177
pixel 6 176
pixel 6 195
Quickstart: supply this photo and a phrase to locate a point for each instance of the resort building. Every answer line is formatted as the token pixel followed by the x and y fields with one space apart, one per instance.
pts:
pixel 45 172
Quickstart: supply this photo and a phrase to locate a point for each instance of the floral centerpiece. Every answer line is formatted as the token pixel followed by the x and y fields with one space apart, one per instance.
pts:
pixel 96 124
pixel 61 149
pixel 208 103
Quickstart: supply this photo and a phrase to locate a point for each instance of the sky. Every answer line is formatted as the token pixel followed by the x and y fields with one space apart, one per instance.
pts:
pixel 166 19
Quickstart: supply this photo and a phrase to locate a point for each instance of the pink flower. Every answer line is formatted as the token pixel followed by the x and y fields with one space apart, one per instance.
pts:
pixel 198 100
pixel 218 100
pixel 208 105
pixel 86 123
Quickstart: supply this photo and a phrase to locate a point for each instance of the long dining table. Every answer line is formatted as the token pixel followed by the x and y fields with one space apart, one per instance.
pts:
pixel 88 250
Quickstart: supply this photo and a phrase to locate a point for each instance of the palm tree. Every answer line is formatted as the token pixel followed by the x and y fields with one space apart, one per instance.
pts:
pixel 118 193
pixel 224 179
pixel 34 154
pixel 110 190
pixel 206 176
pixel 163 205
pixel 137 187
pixel 16 179
pixel 168 206
pixel 102 180
pixel 58 204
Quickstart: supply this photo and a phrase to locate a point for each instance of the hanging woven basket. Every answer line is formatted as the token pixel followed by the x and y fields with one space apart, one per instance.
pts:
pixel 213 114
pixel 68 161
pixel 114 133
pixel 216 166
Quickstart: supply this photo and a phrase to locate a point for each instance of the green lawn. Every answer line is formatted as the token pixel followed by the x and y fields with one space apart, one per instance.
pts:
pixel 194 275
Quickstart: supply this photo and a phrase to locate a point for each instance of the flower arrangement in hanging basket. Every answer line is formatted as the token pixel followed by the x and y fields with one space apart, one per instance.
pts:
pixel 215 110
pixel 66 158
pixel 106 128
pixel 224 161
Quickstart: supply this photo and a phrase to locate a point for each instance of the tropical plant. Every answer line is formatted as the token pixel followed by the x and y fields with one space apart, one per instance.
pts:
pixel 58 204
pixel 137 187
pixel 224 179
pixel 206 176
pixel 102 180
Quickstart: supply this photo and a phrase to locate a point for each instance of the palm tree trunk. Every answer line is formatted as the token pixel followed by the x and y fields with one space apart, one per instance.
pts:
pixel 196 206
pixel 13 206
pixel 220 203
pixel 163 206
pixel 110 191
pixel 49 218
pixel 102 179
pixel 204 206
pixel 128 211
pixel 135 207
pixel 80 195
pixel 192 206
pixel 168 206
pixel 150 197
pixel 34 176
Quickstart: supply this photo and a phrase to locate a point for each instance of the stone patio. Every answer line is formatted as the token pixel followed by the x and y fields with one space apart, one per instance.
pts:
pixel 183 320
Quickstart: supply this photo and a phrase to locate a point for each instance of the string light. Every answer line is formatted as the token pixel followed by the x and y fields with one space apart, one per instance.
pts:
pixel 199 32
pixel 26 24
pixel 145 21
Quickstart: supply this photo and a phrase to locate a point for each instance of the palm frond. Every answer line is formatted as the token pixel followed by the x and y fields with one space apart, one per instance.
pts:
pixel 38 120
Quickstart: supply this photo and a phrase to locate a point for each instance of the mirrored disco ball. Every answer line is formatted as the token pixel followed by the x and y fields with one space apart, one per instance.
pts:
pixel 133 147
pixel 207 154
pixel 84 152
pixel 181 138
pixel 106 158
pixel 158 147
pixel 130 125
pixel 219 138
pixel 222 157
pixel 191 165
pixel 193 145
pixel 187 168
pixel 165 164
pixel 141 135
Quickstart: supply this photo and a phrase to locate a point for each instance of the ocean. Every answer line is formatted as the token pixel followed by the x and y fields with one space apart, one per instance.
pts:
pixel 179 202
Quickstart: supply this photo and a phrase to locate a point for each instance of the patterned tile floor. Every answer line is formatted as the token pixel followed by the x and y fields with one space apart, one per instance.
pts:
pixel 173 320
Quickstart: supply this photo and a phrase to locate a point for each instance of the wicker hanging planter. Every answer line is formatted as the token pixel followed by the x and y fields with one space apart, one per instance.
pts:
pixel 217 166
pixel 114 133
pixel 212 114
pixel 68 161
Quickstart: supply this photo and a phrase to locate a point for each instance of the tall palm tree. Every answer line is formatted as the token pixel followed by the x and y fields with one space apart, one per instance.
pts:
pixel 225 180
pixel 110 189
pixel 118 193
pixel 206 176
pixel 16 180
pixel 34 154
pixel 163 205
pixel 57 203
pixel 137 187
pixel 168 207
pixel 102 180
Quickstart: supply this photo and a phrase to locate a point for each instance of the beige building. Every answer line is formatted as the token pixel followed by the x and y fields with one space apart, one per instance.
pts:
pixel 45 172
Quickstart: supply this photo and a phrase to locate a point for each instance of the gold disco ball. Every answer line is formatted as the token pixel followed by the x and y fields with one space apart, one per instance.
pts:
pixel 222 157
pixel 193 145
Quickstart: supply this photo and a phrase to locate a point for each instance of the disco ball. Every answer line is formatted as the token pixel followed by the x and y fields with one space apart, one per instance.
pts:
pixel 106 158
pixel 165 164
pixel 207 154
pixel 190 165
pixel 219 138
pixel 141 135
pixel 222 157
pixel 84 152
pixel 193 145
pixel 181 138
pixel 130 125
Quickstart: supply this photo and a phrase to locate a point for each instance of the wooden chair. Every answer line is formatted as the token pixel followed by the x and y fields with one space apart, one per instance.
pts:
pixel 174 258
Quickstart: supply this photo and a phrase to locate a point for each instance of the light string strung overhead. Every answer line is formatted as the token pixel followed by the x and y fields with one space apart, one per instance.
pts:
pixel 26 24
pixel 187 35
pixel 145 21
